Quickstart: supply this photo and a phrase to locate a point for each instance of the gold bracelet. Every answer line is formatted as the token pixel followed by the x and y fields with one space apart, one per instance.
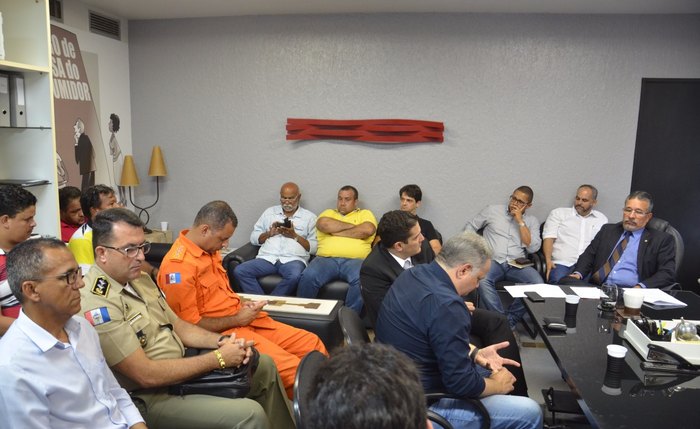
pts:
pixel 220 358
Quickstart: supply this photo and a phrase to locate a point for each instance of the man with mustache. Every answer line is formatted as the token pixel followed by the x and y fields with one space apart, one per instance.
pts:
pixel 511 234
pixel 627 253
pixel 568 231
pixel 286 234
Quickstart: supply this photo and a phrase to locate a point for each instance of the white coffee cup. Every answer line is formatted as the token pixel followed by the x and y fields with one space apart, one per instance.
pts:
pixel 572 299
pixel 617 351
pixel 633 299
pixel 164 226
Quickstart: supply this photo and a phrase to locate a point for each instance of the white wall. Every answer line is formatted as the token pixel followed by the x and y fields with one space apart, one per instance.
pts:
pixel 545 100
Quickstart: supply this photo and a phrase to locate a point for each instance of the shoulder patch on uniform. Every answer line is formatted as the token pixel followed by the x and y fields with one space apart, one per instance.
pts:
pixel 97 316
pixel 100 287
pixel 172 278
pixel 178 253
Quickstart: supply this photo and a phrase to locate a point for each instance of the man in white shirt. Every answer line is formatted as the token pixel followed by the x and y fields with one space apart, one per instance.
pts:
pixel 287 236
pixel 569 230
pixel 52 370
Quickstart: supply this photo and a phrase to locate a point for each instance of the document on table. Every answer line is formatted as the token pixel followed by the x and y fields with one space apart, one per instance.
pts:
pixel 586 292
pixel 544 290
pixel 659 298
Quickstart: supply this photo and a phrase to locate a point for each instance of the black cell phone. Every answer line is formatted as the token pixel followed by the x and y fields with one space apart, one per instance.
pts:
pixel 554 323
pixel 285 224
pixel 534 297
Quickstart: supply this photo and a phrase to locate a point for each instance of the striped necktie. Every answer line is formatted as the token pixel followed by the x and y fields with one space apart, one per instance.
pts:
pixel 603 273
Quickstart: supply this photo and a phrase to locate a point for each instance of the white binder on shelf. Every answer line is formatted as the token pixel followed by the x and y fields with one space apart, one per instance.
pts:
pixel 18 113
pixel 4 100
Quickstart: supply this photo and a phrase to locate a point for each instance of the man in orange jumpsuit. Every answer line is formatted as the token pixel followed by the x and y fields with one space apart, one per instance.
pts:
pixel 197 289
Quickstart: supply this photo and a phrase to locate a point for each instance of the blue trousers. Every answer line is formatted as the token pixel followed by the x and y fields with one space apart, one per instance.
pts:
pixel 488 295
pixel 323 270
pixel 558 272
pixel 505 411
pixel 249 272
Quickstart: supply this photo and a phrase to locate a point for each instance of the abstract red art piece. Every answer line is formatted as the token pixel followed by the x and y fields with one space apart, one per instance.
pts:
pixel 366 130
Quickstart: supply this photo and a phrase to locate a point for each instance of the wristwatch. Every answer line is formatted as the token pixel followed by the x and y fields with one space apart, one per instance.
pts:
pixel 522 224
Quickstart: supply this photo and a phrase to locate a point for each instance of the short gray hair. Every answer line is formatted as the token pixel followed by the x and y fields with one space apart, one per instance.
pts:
pixel 643 196
pixel 464 248
pixel 26 262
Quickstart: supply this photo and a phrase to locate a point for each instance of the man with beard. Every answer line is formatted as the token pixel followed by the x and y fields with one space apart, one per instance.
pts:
pixel 627 253
pixel 287 236
pixel 511 234
pixel 568 231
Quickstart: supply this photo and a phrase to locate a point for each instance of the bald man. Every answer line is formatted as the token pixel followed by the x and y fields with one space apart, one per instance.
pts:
pixel 286 234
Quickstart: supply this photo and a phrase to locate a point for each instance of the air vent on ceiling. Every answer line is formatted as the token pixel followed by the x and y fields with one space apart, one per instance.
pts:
pixel 105 25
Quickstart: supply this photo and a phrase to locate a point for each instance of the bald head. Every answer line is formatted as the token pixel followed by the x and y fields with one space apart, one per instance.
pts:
pixel 289 198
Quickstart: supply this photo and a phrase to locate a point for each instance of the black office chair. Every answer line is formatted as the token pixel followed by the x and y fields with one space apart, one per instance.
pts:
pixel 354 332
pixel 306 371
pixel 336 289
pixel 437 418
pixel 663 225
pixel 353 328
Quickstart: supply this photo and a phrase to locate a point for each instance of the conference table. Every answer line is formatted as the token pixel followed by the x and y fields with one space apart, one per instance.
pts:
pixel 646 400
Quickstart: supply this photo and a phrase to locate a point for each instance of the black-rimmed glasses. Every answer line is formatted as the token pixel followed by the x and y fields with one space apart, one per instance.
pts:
pixel 70 277
pixel 132 251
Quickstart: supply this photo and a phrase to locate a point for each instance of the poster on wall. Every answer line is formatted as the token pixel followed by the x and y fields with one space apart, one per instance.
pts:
pixel 81 155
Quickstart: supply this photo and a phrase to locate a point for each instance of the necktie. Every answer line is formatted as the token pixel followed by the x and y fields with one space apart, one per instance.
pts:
pixel 407 264
pixel 604 271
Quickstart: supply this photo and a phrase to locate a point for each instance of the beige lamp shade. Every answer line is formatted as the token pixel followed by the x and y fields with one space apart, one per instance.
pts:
pixel 157 167
pixel 129 176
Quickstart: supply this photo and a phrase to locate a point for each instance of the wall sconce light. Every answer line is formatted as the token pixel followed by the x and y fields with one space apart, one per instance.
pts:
pixel 130 178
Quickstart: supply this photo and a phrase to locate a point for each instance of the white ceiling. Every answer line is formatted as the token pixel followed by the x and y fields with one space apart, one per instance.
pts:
pixel 164 9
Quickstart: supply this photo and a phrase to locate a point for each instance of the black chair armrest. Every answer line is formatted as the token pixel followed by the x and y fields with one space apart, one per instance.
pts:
pixel 432 397
pixel 246 252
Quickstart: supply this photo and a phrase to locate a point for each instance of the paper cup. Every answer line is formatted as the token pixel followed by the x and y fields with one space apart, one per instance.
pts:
pixel 633 299
pixel 571 306
pixel 164 226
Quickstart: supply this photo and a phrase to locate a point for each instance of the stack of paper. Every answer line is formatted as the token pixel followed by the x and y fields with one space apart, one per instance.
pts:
pixel 544 290
pixel 659 298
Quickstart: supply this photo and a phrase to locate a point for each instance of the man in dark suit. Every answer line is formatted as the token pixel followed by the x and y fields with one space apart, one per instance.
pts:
pixel 627 253
pixel 401 247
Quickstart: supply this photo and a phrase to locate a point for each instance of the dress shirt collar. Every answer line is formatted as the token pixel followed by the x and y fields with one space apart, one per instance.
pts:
pixel 40 336
pixel 593 213
pixel 401 262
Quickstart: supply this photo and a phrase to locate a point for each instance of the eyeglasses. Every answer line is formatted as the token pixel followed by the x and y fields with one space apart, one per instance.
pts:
pixel 638 212
pixel 288 198
pixel 132 251
pixel 70 277
pixel 517 201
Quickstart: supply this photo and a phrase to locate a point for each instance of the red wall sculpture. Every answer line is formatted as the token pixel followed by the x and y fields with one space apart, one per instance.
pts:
pixel 366 130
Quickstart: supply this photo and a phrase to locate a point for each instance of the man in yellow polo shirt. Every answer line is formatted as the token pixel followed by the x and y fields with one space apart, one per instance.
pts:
pixel 345 236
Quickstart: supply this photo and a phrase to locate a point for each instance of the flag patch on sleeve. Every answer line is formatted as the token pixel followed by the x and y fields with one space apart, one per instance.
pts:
pixel 98 316
pixel 172 278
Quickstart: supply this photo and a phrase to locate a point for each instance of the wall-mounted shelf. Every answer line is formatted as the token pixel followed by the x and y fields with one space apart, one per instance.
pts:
pixel 28 154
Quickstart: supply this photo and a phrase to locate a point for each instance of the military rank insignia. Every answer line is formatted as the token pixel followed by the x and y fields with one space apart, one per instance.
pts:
pixel 172 278
pixel 101 287
pixel 142 338
pixel 97 316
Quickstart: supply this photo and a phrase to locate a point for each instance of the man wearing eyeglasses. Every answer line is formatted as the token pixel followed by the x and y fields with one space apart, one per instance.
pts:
pixel 627 253
pixel 511 234
pixel 286 234
pixel 52 370
pixel 144 341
